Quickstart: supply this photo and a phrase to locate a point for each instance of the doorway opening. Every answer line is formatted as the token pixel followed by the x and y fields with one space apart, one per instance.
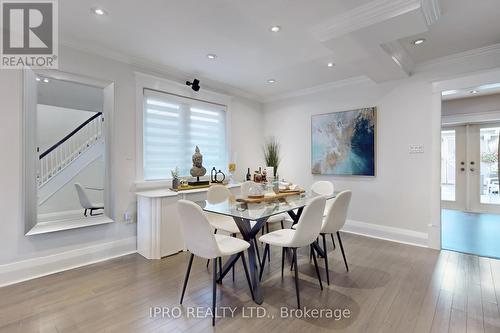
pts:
pixel 470 194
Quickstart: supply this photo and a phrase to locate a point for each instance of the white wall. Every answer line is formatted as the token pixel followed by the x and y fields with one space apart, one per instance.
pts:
pixel 479 104
pixel 15 246
pixel 398 195
pixel 247 137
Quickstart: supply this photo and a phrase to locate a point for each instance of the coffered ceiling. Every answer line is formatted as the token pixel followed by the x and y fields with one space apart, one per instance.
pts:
pixel 362 38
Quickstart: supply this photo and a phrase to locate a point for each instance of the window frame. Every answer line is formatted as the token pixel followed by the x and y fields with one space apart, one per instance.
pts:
pixel 161 85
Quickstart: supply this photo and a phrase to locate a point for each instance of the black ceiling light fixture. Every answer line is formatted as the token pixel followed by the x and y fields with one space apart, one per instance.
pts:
pixel 195 85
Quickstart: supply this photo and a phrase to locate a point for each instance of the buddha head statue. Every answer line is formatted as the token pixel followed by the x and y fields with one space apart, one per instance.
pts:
pixel 197 158
pixel 198 170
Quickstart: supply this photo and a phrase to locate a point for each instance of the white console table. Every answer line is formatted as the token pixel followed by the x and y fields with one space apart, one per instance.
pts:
pixel 158 225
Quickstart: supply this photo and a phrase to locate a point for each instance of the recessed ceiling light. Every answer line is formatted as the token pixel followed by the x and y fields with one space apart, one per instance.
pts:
pixel 473 91
pixel 46 80
pixel 449 92
pixel 98 11
pixel 38 79
pixel 275 28
pixel 211 56
pixel 271 81
pixel 330 64
pixel 418 41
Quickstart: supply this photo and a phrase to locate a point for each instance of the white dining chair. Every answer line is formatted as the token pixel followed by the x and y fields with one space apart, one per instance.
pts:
pixel 324 187
pixel 85 201
pixel 333 222
pixel 307 231
pixel 200 241
pixel 217 194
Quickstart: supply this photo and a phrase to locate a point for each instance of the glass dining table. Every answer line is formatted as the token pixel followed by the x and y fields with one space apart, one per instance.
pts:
pixel 250 218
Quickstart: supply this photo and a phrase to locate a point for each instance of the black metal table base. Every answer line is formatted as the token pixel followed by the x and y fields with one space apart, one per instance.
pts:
pixel 248 234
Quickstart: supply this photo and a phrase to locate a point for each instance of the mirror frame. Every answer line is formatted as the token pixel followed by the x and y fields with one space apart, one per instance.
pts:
pixel 28 130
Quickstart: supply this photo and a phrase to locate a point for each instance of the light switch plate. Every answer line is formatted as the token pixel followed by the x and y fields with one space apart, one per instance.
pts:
pixel 416 149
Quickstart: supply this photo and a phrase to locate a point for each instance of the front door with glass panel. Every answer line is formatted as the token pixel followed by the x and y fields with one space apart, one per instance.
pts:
pixel 469 168
pixel 483 167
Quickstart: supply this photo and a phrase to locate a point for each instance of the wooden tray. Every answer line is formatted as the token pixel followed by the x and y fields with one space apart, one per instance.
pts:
pixel 195 187
pixel 278 196
pixel 189 187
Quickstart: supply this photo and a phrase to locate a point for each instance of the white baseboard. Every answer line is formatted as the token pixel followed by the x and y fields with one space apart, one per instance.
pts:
pixel 37 267
pixel 393 234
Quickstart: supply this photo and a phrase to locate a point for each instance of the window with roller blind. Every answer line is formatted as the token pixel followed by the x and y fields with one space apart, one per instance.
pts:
pixel 174 126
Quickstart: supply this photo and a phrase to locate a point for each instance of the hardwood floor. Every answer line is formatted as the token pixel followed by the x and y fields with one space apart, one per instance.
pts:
pixel 390 288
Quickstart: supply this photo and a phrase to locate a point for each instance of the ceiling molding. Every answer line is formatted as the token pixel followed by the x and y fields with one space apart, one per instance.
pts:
pixel 431 10
pixel 362 79
pixel 457 57
pixel 144 65
pixel 400 56
pixel 374 12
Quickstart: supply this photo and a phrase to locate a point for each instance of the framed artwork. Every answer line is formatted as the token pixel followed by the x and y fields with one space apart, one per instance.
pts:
pixel 343 143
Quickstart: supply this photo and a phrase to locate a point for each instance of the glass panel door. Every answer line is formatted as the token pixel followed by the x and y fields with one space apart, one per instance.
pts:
pixel 448 161
pixel 453 168
pixel 488 146
pixel 483 168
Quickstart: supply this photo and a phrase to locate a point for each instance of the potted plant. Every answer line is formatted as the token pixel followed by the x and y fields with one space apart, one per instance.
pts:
pixel 175 178
pixel 272 154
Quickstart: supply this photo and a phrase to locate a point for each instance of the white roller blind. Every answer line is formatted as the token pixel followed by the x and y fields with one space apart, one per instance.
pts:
pixel 174 126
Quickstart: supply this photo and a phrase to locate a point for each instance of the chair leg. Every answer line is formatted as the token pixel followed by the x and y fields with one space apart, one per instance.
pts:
pixel 186 277
pixel 296 277
pixel 316 267
pixel 266 250
pixel 208 261
pixel 283 250
pixel 214 290
pixel 326 259
pixel 293 260
pixel 234 235
pixel 220 266
pixel 317 242
pixel 342 249
pixel 244 262
pixel 333 241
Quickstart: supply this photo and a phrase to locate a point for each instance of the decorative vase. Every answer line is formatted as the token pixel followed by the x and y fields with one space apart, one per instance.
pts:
pixel 175 183
pixel 270 173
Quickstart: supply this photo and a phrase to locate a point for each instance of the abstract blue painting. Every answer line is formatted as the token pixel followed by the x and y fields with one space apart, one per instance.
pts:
pixel 343 143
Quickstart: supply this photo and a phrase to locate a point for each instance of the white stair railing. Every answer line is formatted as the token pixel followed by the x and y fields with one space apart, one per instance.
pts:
pixel 60 155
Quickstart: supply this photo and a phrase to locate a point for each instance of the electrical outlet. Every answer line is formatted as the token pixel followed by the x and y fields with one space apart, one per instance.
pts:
pixel 128 217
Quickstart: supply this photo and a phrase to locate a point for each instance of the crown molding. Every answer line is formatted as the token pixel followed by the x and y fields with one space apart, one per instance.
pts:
pixel 431 10
pixel 319 88
pixel 170 73
pixel 400 56
pixel 458 57
pixel 364 16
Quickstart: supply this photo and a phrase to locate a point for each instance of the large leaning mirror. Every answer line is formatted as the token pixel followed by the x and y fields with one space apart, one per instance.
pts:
pixel 66 137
